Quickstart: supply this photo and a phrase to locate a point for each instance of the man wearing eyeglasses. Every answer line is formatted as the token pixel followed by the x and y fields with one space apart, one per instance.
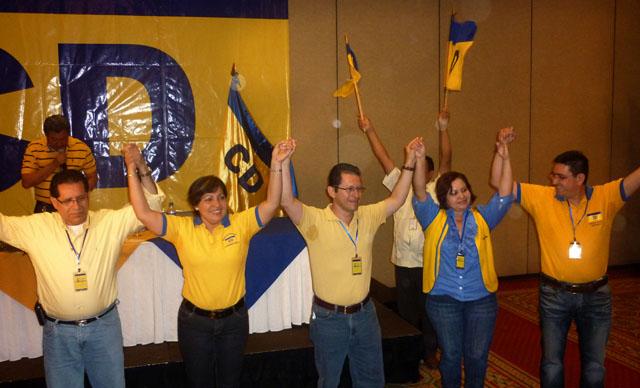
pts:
pixel 574 222
pixel 54 152
pixel 339 239
pixel 408 238
pixel 74 254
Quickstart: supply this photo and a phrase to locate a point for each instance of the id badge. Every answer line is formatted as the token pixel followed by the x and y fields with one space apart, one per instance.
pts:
pixel 460 261
pixel 80 281
pixel 356 265
pixel 575 251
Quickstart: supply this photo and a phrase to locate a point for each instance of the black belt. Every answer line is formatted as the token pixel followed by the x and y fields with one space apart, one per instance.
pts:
pixel 576 288
pixel 354 308
pixel 214 314
pixel 83 322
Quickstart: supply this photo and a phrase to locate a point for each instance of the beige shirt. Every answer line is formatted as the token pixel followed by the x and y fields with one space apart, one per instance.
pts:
pixel 408 238
pixel 44 237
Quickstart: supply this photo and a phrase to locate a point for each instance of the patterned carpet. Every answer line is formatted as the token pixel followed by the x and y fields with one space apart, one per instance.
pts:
pixel 515 352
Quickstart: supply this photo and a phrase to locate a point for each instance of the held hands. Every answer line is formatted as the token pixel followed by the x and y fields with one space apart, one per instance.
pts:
pixel 133 157
pixel 283 150
pixel 506 135
pixel 364 123
pixel 504 138
pixel 413 150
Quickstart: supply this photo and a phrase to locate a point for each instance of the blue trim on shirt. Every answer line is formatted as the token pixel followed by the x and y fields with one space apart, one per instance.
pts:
pixel 164 225
pixel 226 222
pixel 623 194
pixel 260 224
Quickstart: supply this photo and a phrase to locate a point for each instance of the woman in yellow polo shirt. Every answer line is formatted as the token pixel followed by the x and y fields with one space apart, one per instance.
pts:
pixel 459 274
pixel 213 324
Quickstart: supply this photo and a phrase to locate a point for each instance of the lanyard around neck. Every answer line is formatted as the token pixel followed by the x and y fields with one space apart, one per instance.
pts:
pixel 464 228
pixel 73 248
pixel 354 242
pixel 574 225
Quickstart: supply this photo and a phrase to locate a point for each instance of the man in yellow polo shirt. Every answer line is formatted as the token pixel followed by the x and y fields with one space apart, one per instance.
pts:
pixel 574 223
pixel 52 153
pixel 74 254
pixel 339 238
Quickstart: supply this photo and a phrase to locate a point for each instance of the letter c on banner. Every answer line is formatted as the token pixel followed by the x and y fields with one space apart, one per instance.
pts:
pixel 84 69
pixel 243 180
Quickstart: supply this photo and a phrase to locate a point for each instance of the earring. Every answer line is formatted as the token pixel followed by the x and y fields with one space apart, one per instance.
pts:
pixel 196 209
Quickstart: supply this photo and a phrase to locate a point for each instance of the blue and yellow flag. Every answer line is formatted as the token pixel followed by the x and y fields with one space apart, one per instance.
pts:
pixel 245 156
pixel 460 40
pixel 349 86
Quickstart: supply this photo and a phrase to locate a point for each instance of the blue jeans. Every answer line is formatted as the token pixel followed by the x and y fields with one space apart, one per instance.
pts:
pixel 464 331
pixel 96 348
pixel 592 313
pixel 336 336
pixel 212 349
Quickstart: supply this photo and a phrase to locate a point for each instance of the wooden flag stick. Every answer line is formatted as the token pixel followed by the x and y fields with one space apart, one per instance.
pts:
pixel 446 68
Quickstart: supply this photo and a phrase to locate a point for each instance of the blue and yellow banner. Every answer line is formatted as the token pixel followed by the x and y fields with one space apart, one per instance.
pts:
pixel 155 73
pixel 460 40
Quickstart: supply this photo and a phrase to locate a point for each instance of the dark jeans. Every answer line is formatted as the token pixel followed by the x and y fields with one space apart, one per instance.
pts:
pixel 592 313
pixel 411 301
pixel 465 331
pixel 212 349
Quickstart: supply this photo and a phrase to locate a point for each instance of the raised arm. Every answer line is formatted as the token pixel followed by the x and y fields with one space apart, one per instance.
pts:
pixel 505 183
pixel 444 151
pixel 268 207
pixel 137 176
pixel 419 175
pixel 400 191
pixel 291 205
pixel 376 145
pixel 504 137
pixel 631 182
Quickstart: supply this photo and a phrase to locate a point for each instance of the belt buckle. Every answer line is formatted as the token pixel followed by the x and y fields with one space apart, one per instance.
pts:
pixel 82 322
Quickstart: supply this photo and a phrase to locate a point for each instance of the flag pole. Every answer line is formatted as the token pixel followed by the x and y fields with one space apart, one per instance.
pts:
pixel 355 84
pixel 446 71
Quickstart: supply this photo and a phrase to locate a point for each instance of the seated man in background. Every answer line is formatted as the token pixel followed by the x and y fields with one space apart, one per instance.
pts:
pixel 52 153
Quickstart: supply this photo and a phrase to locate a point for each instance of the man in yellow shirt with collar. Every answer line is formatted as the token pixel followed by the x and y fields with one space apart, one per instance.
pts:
pixel 339 238
pixel 74 254
pixel 574 223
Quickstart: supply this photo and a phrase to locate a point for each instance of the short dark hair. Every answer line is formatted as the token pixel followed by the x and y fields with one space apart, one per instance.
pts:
pixel 576 161
pixel 56 124
pixel 335 175
pixel 430 165
pixel 203 185
pixel 67 176
pixel 443 187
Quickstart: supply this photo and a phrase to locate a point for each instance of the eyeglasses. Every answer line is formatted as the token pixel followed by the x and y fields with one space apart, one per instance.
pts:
pixel 553 175
pixel 80 200
pixel 351 189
